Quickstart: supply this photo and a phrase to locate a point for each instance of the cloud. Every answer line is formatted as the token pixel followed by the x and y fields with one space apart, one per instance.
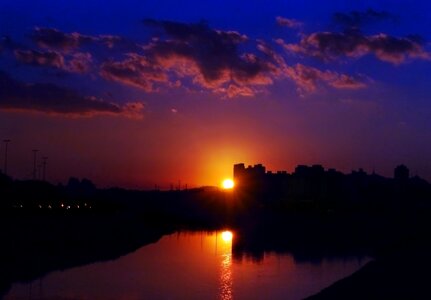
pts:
pixel 136 71
pixel 212 59
pixel 234 90
pixel 343 81
pixel 80 62
pixel 77 62
pixel 33 57
pixel 52 99
pixel 290 23
pixel 55 39
pixel 52 38
pixel 213 52
pixel 356 19
pixel 307 78
pixel 352 43
pixel 195 56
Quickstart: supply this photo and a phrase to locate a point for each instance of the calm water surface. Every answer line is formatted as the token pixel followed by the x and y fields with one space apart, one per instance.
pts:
pixel 191 265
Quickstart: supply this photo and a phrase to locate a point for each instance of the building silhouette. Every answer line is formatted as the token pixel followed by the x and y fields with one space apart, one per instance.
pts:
pixel 324 188
pixel 401 173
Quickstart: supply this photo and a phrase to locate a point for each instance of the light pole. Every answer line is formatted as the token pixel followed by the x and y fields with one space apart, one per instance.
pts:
pixel 39 171
pixel 34 163
pixel 6 142
pixel 44 167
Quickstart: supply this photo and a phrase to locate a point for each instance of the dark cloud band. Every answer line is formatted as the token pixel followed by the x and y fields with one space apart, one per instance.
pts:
pixel 356 19
pixel 352 43
pixel 52 99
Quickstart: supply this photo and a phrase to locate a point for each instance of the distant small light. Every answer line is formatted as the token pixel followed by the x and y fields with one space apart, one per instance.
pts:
pixel 62 205
pixel 68 207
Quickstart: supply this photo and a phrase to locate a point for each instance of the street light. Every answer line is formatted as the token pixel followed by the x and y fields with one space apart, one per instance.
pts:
pixel 34 163
pixel 44 167
pixel 6 142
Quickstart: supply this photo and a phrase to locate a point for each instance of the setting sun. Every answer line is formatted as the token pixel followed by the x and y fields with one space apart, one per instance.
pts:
pixel 228 184
pixel 227 236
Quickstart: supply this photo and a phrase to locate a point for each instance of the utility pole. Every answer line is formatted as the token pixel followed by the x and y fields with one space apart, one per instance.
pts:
pixel 6 142
pixel 44 159
pixel 39 171
pixel 34 163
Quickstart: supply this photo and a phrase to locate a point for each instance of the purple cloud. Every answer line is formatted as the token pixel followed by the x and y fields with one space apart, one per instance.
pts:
pixel 355 19
pixel 136 71
pixel 52 99
pixel 352 43
pixel 52 38
pixel 307 78
pixel 77 62
pixel 211 58
pixel 223 62
pixel 290 23
pixel 38 58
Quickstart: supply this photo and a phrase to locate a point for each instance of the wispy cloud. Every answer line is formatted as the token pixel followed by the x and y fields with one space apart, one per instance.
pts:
pixel 38 58
pixel 76 62
pixel 52 99
pixel 354 44
pixel 136 71
pixel 356 19
pixel 290 23
pixel 52 38
pixel 55 39
pixel 307 78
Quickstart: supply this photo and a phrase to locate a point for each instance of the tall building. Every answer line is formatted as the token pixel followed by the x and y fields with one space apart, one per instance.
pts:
pixel 238 171
pixel 250 177
pixel 401 173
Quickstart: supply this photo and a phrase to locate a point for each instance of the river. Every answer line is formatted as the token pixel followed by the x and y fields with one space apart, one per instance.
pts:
pixel 191 265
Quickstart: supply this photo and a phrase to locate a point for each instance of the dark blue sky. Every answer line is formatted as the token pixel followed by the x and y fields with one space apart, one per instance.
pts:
pixel 142 92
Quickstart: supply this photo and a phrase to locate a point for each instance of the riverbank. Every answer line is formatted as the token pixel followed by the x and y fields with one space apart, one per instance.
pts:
pixel 63 227
pixel 401 271
pixel 36 244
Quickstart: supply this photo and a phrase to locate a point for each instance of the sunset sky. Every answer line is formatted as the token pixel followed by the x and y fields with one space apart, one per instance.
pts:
pixel 137 93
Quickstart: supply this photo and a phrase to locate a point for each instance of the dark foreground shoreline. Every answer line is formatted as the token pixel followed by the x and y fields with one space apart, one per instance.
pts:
pixel 404 276
pixel 44 228
pixel 38 243
pixel 34 245
pixel 400 271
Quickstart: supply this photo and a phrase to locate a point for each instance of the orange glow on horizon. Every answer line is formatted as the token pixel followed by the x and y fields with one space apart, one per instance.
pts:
pixel 228 184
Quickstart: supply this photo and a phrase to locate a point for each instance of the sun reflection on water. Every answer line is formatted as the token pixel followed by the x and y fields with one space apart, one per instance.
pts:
pixel 226 266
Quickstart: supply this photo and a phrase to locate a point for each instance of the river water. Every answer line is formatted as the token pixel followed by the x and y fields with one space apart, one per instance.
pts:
pixel 191 265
